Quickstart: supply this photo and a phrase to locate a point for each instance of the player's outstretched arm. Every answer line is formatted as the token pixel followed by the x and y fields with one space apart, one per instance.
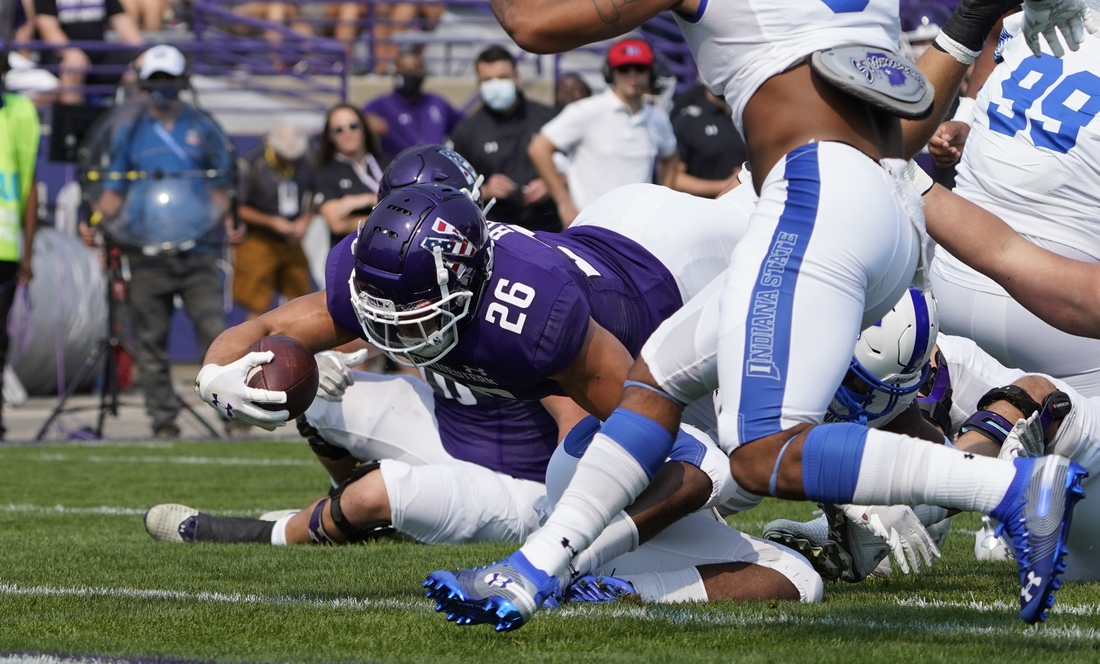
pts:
pixel 595 378
pixel 305 319
pixel 1063 292
pixel 553 26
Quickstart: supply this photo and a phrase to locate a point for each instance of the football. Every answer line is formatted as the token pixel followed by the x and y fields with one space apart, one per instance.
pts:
pixel 293 371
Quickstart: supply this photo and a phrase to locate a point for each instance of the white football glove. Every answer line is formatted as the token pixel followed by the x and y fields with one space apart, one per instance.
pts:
pixel 1025 440
pixel 335 370
pixel 900 528
pixel 226 389
pixel 1070 18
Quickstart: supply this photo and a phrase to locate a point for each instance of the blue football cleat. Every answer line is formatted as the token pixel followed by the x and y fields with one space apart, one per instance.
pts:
pixel 1036 514
pixel 505 594
pixel 598 589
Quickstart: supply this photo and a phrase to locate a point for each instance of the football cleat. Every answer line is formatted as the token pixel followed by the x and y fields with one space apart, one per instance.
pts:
pixel 598 589
pixel 1036 514
pixel 505 594
pixel 835 546
pixel 988 545
pixel 172 523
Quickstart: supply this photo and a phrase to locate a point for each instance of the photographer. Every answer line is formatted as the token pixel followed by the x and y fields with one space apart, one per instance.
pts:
pixel 165 203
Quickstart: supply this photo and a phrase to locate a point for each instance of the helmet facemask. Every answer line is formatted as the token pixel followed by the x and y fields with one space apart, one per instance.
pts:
pixel 421 333
pixel 865 399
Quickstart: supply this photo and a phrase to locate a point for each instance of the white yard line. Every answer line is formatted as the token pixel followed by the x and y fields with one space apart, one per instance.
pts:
pixel 108 510
pixel 663 614
pixel 182 460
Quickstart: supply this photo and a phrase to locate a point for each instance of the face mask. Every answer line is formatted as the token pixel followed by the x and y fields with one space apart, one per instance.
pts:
pixel 498 93
pixel 163 95
pixel 407 85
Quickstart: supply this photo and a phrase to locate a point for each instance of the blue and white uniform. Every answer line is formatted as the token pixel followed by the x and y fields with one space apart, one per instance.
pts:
pixel 1033 159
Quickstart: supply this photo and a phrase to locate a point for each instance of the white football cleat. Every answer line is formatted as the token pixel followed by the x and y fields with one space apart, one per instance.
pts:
pixel 168 522
pixel 989 546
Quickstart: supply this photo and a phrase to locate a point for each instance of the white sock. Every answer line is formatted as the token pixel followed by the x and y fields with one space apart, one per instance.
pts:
pixel 278 533
pixel 607 479
pixel 620 537
pixel 899 470
pixel 930 515
pixel 683 585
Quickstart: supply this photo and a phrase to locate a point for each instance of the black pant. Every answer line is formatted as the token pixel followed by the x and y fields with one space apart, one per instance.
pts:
pixel 9 273
pixel 156 280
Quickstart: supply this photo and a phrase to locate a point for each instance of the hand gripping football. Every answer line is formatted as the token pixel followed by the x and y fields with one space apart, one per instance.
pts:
pixel 293 371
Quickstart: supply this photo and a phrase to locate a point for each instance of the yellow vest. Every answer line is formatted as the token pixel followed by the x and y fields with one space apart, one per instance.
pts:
pixel 19 135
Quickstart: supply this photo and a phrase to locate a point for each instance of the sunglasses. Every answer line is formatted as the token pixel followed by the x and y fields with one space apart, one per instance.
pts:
pixel 354 126
pixel 632 69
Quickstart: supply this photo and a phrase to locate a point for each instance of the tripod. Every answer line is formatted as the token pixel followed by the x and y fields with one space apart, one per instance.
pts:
pixel 108 349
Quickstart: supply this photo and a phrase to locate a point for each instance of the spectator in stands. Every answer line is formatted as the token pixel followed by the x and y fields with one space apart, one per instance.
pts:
pixel 613 138
pixel 570 88
pixel 350 168
pixel 275 198
pixel 178 141
pixel 407 116
pixel 390 19
pixel 146 14
pixel 495 141
pixel 711 150
pixel 18 203
pixel 62 21
pixel 280 13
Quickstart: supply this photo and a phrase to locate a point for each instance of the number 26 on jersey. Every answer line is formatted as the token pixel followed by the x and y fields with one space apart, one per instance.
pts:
pixel 511 297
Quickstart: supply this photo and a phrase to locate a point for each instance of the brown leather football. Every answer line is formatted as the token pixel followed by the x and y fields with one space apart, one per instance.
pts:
pixel 293 371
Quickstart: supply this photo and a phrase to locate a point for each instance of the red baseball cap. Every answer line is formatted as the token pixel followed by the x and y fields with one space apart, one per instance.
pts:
pixel 630 52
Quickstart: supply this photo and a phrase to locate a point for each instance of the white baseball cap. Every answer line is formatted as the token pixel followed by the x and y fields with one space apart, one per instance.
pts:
pixel 162 58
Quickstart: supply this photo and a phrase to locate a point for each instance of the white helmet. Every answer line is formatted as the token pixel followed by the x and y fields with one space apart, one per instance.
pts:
pixel 890 363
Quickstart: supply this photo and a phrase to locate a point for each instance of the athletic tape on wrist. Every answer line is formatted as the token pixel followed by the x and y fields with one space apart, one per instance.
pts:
pixel 956 50
pixel 965 112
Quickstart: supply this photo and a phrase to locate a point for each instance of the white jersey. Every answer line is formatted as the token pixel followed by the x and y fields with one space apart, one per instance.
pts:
pixel 1033 155
pixel 973 373
pixel 739 45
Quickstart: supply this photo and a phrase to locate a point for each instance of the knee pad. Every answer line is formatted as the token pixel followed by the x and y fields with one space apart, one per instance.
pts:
pixel 319 445
pixel 353 533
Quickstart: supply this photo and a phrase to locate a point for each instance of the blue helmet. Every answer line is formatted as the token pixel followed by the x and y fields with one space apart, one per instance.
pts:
pixel 425 164
pixel 890 363
pixel 422 258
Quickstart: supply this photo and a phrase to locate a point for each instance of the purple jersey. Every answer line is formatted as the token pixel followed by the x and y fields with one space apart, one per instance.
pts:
pixel 532 318
pixel 511 437
pixel 429 120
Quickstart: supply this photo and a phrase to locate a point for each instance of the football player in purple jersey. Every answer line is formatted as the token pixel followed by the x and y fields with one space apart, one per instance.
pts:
pixel 431 283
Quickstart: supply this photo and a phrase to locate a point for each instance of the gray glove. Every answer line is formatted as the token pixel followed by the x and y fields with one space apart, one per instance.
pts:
pixel 1025 440
pixel 900 528
pixel 334 368
pixel 1070 18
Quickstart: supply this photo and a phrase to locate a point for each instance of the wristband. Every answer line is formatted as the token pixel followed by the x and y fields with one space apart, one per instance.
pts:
pixel 965 112
pixel 989 424
pixel 956 50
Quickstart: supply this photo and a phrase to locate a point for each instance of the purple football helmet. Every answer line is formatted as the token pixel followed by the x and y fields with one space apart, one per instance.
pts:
pixel 422 258
pixel 424 164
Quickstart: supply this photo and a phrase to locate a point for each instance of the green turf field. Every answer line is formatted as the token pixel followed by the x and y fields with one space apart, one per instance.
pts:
pixel 79 576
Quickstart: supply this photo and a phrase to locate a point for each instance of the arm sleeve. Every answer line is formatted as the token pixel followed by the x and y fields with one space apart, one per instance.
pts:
pixel 120 155
pixel 26 149
pixel 564 331
pixel 567 129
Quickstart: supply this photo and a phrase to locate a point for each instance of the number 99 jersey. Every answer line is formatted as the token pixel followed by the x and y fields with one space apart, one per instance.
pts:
pixel 1033 155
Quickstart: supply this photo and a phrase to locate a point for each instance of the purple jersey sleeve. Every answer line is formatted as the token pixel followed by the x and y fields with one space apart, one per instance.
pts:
pixel 533 316
pixel 338 269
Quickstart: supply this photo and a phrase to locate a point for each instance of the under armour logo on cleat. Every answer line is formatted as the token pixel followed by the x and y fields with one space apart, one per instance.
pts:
pixel 495 580
pixel 968 455
pixel 1032 582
